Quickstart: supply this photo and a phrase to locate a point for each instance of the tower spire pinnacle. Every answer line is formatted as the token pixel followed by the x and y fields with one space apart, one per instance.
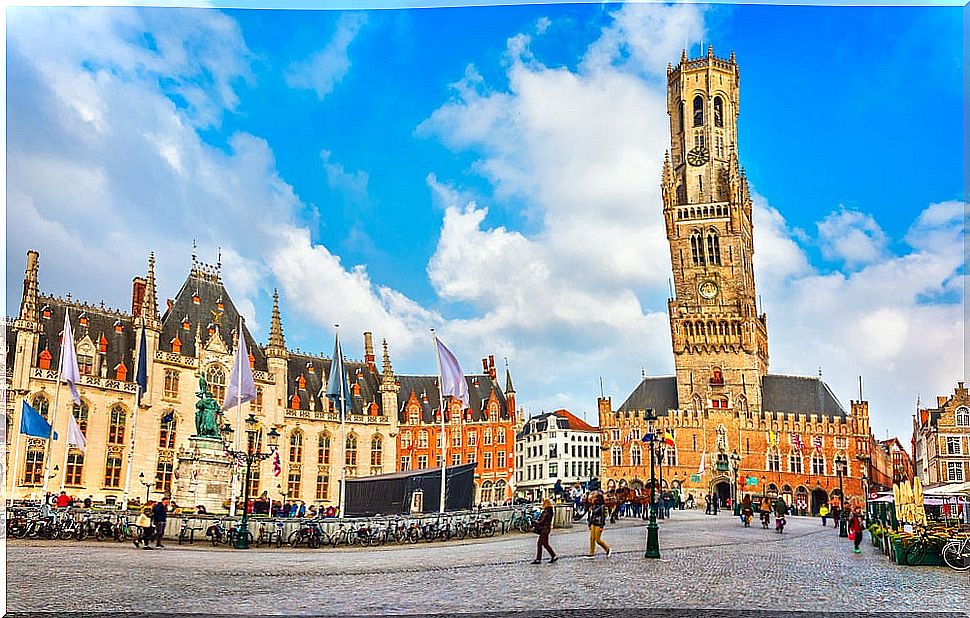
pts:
pixel 277 341
pixel 149 303
pixel 28 304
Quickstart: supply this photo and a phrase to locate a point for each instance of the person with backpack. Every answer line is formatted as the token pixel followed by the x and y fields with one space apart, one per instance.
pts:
pixel 543 527
pixel 596 519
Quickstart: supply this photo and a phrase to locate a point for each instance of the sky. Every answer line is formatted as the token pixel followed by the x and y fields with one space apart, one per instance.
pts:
pixel 493 173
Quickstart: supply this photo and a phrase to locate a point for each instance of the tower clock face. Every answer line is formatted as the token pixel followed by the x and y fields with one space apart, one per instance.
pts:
pixel 698 156
pixel 707 289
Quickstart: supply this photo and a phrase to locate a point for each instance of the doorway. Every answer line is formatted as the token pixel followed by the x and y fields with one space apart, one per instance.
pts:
pixel 819 497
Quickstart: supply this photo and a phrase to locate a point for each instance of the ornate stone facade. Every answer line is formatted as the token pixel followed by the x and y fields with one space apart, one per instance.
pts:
pixel 941 440
pixel 785 432
pixel 129 444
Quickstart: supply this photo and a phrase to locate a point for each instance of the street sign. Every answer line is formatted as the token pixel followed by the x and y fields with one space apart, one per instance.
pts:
pixel 695 478
pixel 751 480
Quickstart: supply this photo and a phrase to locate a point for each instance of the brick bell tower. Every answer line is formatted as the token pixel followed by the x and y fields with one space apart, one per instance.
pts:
pixel 720 343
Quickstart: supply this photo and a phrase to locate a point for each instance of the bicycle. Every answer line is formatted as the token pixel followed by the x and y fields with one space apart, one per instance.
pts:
pixel 271 537
pixel 918 548
pixel 956 554
pixel 187 532
pixel 124 531
pixel 309 533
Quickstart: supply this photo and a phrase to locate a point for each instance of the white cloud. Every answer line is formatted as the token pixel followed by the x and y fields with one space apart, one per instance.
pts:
pixel 851 237
pixel 326 68
pixel 351 184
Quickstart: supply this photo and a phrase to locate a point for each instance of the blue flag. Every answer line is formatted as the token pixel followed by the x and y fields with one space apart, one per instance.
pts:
pixel 168 418
pixel 33 424
pixel 338 389
pixel 141 378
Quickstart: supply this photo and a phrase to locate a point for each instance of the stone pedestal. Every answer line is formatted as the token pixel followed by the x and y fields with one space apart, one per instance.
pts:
pixel 204 475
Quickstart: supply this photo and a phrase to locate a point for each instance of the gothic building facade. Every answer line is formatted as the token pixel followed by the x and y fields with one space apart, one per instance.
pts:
pixel 138 446
pixel 736 428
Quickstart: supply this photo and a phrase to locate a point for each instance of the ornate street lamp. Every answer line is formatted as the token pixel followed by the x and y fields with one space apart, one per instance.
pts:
pixel 735 459
pixel 146 484
pixel 653 531
pixel 840 463
pixel 248 456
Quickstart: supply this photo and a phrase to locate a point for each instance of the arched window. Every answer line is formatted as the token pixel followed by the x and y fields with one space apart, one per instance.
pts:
pixel 698 111
pixel 636 455
pixel 718 112
pixel 34 468
pixel 323 448
pixel 116 425
pixel 697 248
pixel 423 439
pixel 670 454
pixel 75 467
pixel 80 412
pixel 493 413
pixel 773 460
pixel 163 472
pixel 376 451
pixel 215 377
pixel 713 248
pixel 486 492
pixel 795 461
pixel 166 431
pixel 42 405
pixel 112 470
pixel 171 385
pixel 350 455
pixel 296 447
pixel 616 458
pixel 963 417
pixel 85 358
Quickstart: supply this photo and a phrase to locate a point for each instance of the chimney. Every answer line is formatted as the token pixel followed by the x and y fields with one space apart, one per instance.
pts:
pixel 940 401
pixel 491 366
pixel 369 352
pixel 484 365
pixel 137 295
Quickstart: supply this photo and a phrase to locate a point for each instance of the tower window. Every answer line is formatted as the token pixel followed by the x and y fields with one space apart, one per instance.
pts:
pixel 697 248
pixel 698 111
pixel 713 248
pixel 718 112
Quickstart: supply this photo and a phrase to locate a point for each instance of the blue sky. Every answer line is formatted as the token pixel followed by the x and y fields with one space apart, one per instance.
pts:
pixel 493 172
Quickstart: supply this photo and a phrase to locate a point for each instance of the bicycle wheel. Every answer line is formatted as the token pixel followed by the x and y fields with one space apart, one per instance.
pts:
pixel 313 541
pixel 490 529
pixel 82 533
pixel 295 538
pixel 917 552
pixel 955 556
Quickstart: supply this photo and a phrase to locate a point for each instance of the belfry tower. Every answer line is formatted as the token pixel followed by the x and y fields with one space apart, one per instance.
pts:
pixel 720 343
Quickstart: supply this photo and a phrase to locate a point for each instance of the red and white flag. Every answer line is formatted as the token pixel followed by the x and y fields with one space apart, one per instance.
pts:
pixel 277 466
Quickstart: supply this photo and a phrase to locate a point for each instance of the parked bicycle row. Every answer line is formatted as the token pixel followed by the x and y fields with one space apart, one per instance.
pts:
pixel 266 532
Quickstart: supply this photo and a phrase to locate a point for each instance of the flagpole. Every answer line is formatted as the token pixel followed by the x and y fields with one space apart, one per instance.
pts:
pixel 134 424
pixel 441 408
pixel 50 436
pixel 335 364
pixel 234 490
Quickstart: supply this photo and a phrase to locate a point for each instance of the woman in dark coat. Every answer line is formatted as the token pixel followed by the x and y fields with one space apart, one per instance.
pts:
pixel 543 528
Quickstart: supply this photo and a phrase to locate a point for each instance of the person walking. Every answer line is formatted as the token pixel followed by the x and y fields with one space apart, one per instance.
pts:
pixel 159 519
pixel 144 522
pixel 596 519
pixel 855 529
pixel 824 512
pixel 543 527
pixel 836 513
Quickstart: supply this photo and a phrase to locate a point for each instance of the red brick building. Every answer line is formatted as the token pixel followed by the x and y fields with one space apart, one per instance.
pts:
pixel 484 432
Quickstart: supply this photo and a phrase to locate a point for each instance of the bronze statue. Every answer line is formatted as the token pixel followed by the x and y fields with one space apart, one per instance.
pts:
pixel 207 412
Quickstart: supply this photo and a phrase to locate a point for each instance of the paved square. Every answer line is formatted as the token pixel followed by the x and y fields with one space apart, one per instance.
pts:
pixel 706 562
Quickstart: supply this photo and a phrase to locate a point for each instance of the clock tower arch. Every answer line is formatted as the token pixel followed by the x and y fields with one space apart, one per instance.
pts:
pixel 720 343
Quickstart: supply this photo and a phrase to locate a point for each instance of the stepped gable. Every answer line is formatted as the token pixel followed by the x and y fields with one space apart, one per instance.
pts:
pixel 312 396
pixel 799 395
pixel 119 347
pixel 205 282
pixel 480 388
pixel 659 394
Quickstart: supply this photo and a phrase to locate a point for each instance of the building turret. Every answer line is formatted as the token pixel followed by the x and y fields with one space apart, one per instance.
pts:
pixel 28 304
pixel 277 342
pixel 149 303
pixel 509 392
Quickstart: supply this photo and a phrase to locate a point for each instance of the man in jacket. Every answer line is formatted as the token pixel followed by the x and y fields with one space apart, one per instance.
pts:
pixel 159 518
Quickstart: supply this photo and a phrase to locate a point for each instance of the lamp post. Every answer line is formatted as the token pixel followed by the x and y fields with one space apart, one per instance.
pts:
pixel 653 531
pixel 146 484
pixel 660 466
pixel 865 482
pixel 250 455
pixel 735 458
pixel 840 470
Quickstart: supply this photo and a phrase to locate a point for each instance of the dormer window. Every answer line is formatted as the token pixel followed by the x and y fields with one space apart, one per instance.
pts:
pixel 186 325
pixel 211 329
pixel 177 345
pixel 295 402
pixel 102 344
pixel 311 368
pixel 252 361
pixel 83 320
pixel 118 326
pixel 45 359
pixel 219 305
pixel 121 372
pixel 301 383
pixel 46 312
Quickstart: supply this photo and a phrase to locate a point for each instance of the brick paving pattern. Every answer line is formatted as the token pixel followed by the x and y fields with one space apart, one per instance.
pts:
pixel 706 562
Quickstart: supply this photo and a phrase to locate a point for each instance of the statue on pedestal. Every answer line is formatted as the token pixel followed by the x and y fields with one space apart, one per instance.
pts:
pixel 207 412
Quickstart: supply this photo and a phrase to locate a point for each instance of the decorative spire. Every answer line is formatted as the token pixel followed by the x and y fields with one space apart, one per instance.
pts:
pixel 149 303
pixel 28 304
pixel 277 342
pixel 508 379
pixel 388 381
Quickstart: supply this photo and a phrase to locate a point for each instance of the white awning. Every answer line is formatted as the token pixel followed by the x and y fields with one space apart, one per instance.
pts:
pixel 953 489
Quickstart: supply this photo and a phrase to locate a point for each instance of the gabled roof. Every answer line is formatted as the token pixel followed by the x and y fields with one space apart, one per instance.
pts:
pixel 574 422
pixel 659 394
pixel 480 388
pixel 312 397
pixel 563 419
pixel 801 395
pixel 210 291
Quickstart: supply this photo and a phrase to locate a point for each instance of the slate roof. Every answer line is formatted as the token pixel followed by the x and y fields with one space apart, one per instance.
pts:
pixel 796 394
pixel 312 397
pixel 120 346
pixel 480 388
pixel 200 316
pixel 660 394
pixel 564 420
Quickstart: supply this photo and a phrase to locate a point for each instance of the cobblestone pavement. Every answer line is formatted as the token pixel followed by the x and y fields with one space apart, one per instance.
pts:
pixel 706 562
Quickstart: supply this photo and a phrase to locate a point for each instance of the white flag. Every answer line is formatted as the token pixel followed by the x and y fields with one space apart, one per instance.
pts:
pixel 241 387
pixel 74 435
pixel 700 470
pixel 68 367
pixel 452 379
